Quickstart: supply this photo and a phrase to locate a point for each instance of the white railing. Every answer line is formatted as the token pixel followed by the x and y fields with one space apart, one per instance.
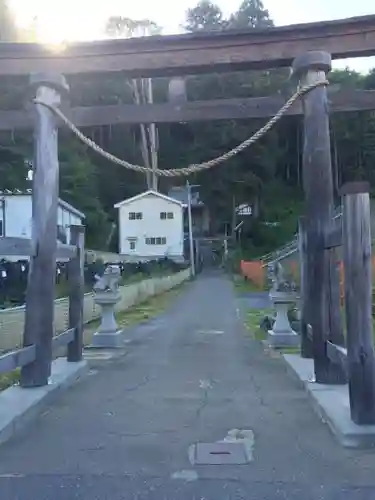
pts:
pixel 291 247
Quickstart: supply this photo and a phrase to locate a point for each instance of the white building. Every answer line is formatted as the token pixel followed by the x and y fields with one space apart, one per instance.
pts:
pixel 151 227
pixel 16 215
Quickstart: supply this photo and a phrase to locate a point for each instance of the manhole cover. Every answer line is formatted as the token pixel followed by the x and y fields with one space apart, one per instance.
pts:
pixel 220 454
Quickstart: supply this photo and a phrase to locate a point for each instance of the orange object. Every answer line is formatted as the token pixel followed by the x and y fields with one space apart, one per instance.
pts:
pixel 254 271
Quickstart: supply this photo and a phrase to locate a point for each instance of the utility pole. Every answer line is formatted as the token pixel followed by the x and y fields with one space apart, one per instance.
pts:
pixel 153 137
pixel 191 242
pixel 234 217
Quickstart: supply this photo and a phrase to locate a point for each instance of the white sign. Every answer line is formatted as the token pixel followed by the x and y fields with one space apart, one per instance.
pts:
pixel 244 209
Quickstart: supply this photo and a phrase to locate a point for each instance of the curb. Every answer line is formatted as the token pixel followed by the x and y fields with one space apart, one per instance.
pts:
pixel 331 404
pixel 19 406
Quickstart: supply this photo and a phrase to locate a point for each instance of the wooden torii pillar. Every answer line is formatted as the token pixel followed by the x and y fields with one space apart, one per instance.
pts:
pixel 322 294
pixel 40 294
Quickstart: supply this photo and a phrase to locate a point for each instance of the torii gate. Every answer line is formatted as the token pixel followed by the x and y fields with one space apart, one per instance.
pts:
pixel 309 48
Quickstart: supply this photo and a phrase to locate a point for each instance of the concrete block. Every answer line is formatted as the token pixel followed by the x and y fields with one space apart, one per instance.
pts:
pixel 19 406
pixel 331 403
pixel 301 369
pixel 279 340
pixel 108 340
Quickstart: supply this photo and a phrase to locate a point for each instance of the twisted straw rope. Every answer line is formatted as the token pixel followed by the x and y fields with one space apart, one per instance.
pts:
pixel 193 168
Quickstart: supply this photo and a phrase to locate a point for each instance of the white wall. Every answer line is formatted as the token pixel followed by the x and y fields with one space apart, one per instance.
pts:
pixel 18 214
pixel 18 219
pixel 67 219
pixel 151 226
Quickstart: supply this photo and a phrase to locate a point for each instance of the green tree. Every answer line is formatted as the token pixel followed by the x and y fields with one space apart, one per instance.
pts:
pixel 79 185
pixel 205 16
pixel 251 14
pixel 243 178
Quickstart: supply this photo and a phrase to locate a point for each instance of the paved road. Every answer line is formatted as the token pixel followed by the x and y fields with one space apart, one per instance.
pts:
pixel 124 432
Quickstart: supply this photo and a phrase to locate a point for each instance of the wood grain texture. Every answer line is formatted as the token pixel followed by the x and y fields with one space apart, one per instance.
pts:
pixel 358 306
pixel 306 342
pixel 198 52
pixel 76 293
pixel 194 111
pixel 40 295
pixel 318 187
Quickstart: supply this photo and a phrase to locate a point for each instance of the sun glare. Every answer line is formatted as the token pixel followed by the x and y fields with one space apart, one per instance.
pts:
pixel 57 25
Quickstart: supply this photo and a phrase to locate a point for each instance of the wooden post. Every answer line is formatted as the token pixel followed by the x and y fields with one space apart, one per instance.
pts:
pixel 336 330
pixel 317 179
pixel 76 293
pixel 306 344
pixel 358 301
pixel 40 294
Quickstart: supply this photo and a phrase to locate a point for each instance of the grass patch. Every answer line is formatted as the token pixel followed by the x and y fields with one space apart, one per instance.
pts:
pixel 148 309
pixel 252 323
pixel 9 379
pixel 253 320
pixel 243 285
pixel 139 313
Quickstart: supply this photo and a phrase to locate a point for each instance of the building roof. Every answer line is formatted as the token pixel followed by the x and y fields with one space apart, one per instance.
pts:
pixel 147 193
pixel 180 193
pixel 28 192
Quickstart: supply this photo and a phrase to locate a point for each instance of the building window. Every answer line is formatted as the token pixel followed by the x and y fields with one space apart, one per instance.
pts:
pixel 61 234
pixel 156 241
pixel 135 215
pixel 1 228
pixel 132 245
pixel 166 215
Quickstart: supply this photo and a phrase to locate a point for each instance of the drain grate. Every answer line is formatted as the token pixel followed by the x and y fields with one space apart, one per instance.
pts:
pixel 220 454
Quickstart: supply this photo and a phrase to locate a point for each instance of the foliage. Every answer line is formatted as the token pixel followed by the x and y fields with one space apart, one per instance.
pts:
pixel 205 16
pixel 9 379
pixel 254 321
pixel 251 14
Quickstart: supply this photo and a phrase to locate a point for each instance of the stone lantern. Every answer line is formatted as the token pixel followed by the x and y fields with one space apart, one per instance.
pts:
pixel 283 294
pixel 106 295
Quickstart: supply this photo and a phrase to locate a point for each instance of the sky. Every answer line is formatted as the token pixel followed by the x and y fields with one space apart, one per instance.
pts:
pixel 85 19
